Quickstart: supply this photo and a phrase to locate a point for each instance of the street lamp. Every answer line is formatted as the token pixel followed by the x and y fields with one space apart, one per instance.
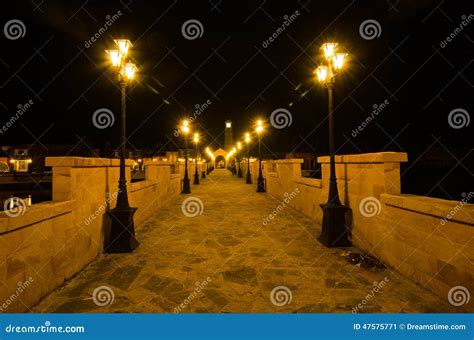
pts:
pixel 196 174
pixel 260 180
pixel 122 231
pixel 334 231
pixel 185 130
pixel 239 170
pixel 248 179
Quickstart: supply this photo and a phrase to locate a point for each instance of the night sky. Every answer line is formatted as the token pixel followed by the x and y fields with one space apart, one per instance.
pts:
pixel 407 66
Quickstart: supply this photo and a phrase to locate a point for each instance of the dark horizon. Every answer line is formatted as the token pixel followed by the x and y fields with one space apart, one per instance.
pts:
pixel 410 67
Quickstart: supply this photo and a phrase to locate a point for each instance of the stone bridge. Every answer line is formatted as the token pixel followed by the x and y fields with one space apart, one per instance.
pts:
pixel 227 248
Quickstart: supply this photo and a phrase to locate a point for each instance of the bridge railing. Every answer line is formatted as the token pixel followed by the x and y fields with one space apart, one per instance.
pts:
pixel 426 239
pixel 49 242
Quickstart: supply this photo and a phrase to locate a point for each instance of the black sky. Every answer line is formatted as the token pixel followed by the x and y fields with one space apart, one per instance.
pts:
pixel 228 65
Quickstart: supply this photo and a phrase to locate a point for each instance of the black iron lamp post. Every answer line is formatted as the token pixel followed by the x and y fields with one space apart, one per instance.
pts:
pixel 248 179
pixel 186 189
pixel 196 173
pixel 122 230
pixel 260 179
pixel 334 230
pixel 203 172
pixel 239 169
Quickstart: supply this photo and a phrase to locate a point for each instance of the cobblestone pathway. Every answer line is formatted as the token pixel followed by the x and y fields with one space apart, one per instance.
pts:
pixel 227 260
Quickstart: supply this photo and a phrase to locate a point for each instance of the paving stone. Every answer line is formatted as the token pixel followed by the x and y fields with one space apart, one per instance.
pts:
pixel 226 261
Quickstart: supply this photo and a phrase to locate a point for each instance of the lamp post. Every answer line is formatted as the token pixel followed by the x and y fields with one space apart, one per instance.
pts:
pixel 239 170
pixel 185 130
pixel 203 171
pixel 334 230
pixel 196 173
pixel 248 179
pixel 260 179
pixel 122 230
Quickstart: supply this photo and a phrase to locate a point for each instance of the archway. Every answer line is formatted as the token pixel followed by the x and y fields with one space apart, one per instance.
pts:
pixel 220 162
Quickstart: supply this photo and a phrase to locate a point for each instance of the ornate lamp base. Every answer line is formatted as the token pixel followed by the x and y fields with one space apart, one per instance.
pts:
pixel 121 238
pixel 334 232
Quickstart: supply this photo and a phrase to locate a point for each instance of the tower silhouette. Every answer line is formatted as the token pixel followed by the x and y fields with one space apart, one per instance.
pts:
pixel 229 139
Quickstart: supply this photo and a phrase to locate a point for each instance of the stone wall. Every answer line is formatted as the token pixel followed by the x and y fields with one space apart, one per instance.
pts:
pixel 410 234
pixel 52 241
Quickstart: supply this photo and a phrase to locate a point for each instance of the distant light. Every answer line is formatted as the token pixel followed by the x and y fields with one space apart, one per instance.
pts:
pixel 228 124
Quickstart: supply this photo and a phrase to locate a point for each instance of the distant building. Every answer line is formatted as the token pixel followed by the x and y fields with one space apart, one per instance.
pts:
pixel 229 136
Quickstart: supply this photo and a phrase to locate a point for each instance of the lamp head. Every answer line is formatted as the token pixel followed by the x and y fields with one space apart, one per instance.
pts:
pixel 328 49
pixel 338 60
pixel 322 73
pixel 115 57
pixel 123 45
pixel 129 71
